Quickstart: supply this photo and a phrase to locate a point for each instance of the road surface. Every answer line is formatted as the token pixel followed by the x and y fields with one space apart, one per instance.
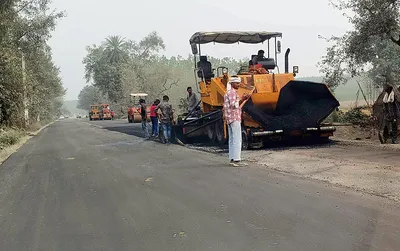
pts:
pixel 76 186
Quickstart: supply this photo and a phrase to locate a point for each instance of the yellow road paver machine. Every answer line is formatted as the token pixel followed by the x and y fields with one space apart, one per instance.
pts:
pixel 280 107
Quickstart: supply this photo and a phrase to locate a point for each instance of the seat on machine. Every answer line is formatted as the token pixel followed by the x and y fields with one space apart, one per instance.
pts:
pixel 268 63
pixel 204 67
pixel 251 60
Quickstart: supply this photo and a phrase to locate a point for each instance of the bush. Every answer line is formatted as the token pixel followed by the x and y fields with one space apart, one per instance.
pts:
pixel 34 127
pixel 355 116
pixel 334 117
pixel 9 137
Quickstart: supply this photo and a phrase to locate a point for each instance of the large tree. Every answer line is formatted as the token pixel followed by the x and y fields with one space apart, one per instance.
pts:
pixel 371 46
pixel 116 49
pixel 25 28
pixel 90 95
pixel 118 67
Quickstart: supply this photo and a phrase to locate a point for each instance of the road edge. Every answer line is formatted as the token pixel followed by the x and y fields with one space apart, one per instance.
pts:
pixel 8 151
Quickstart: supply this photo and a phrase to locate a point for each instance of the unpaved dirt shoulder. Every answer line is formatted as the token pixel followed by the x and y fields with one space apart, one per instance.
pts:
pixel 362 168
pixel 6 152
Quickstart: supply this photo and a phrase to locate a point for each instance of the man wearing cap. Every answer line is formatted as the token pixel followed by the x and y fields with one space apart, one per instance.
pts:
pixel 233 117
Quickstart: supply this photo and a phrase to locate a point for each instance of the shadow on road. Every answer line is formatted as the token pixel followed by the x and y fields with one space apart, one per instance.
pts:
pixel 205 145
pixel 130 130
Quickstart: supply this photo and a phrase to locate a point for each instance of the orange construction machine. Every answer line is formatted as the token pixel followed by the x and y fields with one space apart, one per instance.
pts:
pixel 105 112
pixel 134 110
pixel 94 112
pixel 280 107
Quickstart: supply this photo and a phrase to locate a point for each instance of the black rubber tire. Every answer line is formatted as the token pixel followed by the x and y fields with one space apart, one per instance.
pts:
pixel 210 129
pixel 245 141
pixel 219 134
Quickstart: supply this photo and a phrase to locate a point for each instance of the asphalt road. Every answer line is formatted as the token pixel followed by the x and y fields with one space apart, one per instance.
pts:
pixel 76 186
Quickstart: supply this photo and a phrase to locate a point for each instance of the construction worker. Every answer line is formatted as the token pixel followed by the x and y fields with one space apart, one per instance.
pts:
pixel 233 117
pixel 143 114
pixel 390 114
pixel 260 56
pixel 166 118
pixel 154 118
pixel 193 103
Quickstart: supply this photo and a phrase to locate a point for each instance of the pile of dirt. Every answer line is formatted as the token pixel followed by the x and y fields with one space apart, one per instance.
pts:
pixel 356 132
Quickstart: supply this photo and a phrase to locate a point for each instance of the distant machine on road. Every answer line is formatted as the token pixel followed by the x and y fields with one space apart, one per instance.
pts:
pixel 94 112
pixel 105 112
pixel 100 112
pixel 135 109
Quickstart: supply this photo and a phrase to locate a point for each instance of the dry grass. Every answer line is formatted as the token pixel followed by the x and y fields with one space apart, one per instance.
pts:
pixel 12 139
pixel 9 137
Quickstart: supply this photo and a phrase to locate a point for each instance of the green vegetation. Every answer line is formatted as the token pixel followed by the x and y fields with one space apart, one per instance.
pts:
pixel 354 116
pixel 118 67
pixel 27 70
pixel 370 49
pixel 9 137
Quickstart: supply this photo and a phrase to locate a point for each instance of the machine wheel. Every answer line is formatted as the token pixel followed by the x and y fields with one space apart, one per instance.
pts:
pixel 210 129
pixel 245 141
pixel 180 138
pixel 219 133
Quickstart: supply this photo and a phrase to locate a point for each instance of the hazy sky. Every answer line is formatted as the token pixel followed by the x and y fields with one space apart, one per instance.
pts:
pixel 90 21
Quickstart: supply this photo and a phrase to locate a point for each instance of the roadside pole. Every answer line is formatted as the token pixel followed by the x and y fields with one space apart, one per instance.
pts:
pixel 25 95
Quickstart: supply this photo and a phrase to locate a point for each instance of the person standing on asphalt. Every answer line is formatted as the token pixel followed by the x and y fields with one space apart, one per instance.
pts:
pixel 143 113
pixel 233 117
pixel 154 118
pixel 193 102
pixel 166 118
pixel 390 110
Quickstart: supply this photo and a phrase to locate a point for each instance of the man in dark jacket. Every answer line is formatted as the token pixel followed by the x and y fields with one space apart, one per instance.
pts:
pixel 390 114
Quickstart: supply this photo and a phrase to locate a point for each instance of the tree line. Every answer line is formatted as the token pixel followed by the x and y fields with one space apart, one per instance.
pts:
pixel 371 48
pixel 30 85
pixel 118 67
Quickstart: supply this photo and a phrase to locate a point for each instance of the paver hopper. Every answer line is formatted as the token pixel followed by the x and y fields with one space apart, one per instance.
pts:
pixel 280 107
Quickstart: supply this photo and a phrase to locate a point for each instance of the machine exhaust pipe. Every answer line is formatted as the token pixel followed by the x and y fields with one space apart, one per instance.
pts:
pixel 287 60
